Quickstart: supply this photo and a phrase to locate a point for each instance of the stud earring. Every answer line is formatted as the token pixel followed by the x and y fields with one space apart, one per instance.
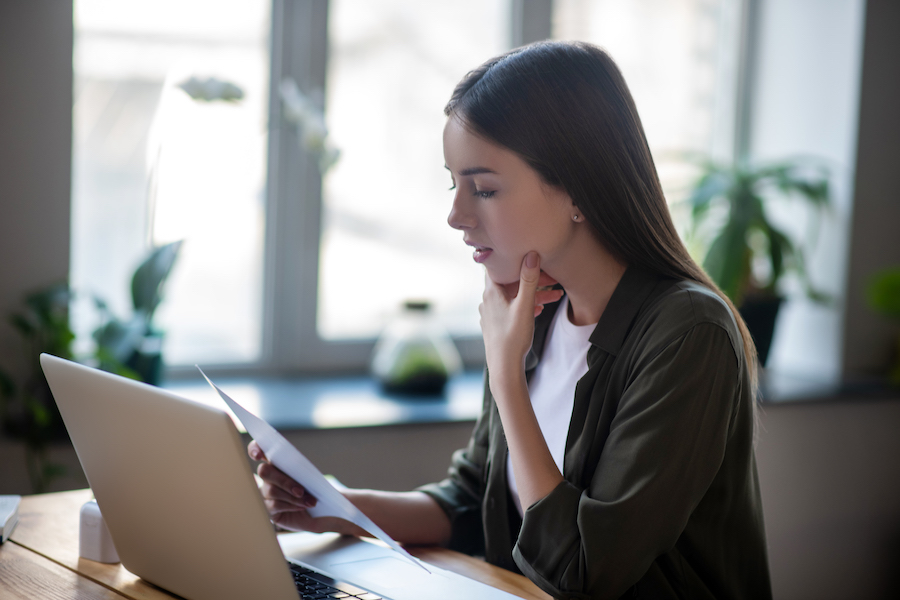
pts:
pixel 575 218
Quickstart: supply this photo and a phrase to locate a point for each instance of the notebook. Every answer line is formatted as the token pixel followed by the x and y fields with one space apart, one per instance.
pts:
pixel 178 495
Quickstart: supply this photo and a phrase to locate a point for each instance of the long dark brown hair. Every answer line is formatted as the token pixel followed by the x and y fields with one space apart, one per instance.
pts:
pixel 565 109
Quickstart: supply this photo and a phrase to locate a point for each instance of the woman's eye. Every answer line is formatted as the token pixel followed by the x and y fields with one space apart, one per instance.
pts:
pixel 484 193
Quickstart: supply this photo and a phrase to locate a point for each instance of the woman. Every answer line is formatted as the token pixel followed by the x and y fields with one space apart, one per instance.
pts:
pixel 614 452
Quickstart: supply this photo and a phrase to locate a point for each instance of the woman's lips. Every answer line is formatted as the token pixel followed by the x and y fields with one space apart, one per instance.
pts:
pixel 481 254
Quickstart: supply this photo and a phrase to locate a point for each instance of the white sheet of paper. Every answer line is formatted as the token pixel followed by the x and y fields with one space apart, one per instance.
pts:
pixel 282 454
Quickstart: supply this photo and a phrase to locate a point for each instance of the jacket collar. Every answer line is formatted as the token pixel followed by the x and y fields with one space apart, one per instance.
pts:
pixel 630 294
pixel 633 290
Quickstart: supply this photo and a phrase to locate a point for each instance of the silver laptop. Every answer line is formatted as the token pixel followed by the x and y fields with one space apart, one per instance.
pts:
pixel 175 488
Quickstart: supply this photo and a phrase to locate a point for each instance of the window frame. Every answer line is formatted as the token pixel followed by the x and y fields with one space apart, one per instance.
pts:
pixel 293 224
pixel 290 340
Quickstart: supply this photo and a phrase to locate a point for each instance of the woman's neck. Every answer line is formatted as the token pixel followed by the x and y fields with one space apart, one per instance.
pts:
pixel 589 278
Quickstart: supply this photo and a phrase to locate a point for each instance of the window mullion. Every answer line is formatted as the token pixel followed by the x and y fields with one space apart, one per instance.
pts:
pixel 294 218
pixel 298 52
pixel 530 21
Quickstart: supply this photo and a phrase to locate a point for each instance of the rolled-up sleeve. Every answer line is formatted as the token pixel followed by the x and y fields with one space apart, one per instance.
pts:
pixel 665 445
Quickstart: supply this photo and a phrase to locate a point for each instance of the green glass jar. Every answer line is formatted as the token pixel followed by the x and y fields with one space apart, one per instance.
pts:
pixel 414 355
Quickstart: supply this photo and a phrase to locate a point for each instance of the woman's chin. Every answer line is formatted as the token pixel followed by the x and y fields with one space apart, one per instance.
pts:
pixel 503 276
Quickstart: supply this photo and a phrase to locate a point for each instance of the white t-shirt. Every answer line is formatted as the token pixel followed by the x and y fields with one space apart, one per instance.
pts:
pixel 552 385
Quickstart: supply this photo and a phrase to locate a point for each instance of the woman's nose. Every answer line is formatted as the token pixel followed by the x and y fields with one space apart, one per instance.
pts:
pixel 460 217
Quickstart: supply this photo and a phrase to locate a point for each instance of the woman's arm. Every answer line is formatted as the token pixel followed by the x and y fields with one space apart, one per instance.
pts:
pixel 507 323
pixel 535 471
pixel 662 457
pixel 663 450
pixel 408 517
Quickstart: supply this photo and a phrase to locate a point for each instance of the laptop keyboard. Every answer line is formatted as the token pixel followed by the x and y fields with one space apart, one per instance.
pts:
pixel 315 586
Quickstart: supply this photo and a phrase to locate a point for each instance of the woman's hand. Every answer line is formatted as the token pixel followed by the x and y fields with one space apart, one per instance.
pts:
pixel 507 323
pixel 408 517
pixel 507 316
pixel 287 501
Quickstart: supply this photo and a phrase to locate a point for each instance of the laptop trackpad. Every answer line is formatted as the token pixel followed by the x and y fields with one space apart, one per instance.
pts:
pixel 381 569
pixel 385 573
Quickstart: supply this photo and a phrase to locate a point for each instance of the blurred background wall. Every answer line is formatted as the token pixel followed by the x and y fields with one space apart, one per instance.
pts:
pixel 35 154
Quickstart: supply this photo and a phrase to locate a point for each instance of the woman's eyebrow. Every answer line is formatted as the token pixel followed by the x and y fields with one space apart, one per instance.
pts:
pixel 473 171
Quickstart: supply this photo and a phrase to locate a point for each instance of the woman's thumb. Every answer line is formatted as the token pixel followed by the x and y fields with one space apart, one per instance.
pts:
pixel 529 276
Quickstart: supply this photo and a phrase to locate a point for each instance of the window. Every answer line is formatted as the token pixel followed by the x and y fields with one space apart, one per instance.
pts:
pixel 391 68
pixel 287 269
pixel 152 165
pixel 680 60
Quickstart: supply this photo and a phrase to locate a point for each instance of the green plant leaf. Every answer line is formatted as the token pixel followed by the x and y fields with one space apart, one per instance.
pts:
pixel 818 296
pixel 711 185
pixel 50 301
pixel 750 191
pixel 27 411
pixel 780 248
pixel 39 412
pixel 111 364
pixel 53 470
pixel 795 179
pixel 883 292
pixel 727 261
pixel 23 325
pixel 101 305
pixel 745 204
pixel 150 276
pixel 7 385
pixel 117 340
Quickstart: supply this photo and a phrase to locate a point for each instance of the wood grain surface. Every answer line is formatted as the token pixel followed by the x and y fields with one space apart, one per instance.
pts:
pixel 48 526
pixel 25 575
pixel 477 569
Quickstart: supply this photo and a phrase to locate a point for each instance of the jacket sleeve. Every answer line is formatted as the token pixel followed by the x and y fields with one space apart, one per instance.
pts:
pixel 460 495
pixel 665 446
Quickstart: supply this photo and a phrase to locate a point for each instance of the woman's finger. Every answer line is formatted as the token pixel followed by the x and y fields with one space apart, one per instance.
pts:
pixel 255 451
pixel 273 492
pixel 294 521
pixel 529 275
pixel 280 506
pixel 511 290
pixel 546 281
pixel 274 476
pixel 547 297
pixel 302 521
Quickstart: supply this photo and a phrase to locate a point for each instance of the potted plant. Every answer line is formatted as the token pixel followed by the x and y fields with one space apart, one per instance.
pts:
pixel 133 347
pixel 883 294
pixel 731 200
pixel 28 411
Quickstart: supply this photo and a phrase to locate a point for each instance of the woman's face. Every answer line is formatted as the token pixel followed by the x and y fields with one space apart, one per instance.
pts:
pixel 503 207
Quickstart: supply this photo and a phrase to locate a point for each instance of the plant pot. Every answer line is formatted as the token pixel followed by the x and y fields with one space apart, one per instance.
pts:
pixel 760 314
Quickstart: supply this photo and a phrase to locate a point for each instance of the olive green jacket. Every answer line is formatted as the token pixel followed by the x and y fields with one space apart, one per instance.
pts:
pixel 660 498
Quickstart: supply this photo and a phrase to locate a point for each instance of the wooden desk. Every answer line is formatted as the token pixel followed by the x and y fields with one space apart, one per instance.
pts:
pixel 41 560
